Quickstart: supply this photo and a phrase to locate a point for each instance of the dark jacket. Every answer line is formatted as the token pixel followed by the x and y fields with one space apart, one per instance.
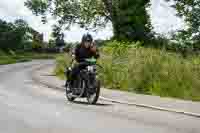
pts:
pixel 82 53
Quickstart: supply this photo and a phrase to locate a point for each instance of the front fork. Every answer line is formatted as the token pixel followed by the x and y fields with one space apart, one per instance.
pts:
pixel 91 83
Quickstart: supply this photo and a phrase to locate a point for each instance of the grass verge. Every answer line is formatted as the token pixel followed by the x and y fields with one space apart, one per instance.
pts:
pixel 10 58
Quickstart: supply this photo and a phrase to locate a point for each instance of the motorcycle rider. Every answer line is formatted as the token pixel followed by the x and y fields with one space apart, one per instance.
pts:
pixel 83 51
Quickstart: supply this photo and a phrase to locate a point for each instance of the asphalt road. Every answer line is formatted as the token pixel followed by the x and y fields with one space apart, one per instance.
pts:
pixel 26 107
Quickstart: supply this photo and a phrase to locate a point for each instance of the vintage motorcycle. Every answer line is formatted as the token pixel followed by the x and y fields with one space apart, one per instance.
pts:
pixel 86 84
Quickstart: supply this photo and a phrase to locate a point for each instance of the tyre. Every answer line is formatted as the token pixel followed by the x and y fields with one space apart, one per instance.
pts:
pixel 69 93
pixel 93 98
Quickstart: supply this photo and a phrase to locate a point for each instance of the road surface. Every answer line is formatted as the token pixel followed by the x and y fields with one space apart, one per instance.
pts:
pixel 27 107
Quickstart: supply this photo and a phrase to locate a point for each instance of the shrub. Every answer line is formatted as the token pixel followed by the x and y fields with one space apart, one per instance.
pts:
pixel 36 46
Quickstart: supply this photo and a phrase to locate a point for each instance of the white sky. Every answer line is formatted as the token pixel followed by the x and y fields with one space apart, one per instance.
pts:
pixel 162 15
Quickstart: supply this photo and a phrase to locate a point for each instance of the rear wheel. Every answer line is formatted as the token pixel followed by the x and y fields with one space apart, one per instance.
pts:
pixel 92 98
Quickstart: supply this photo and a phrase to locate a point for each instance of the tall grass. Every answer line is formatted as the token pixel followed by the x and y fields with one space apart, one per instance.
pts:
pixel 149 71
pixel 62 62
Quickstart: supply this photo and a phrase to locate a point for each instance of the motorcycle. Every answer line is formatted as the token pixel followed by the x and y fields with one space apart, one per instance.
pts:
pixel 86 84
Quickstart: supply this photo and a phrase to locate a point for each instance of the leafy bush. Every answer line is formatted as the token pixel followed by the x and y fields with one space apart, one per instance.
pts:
pixel 2 53
pixel 36 46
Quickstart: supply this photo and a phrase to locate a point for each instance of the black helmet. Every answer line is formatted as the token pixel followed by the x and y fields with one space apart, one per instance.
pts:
pixel 87 38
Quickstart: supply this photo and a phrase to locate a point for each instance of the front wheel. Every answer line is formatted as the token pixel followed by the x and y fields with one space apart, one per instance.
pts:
pixel 68 91
pixel 93 98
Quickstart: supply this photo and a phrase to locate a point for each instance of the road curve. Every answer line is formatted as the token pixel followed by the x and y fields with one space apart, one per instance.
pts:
pixel 28 107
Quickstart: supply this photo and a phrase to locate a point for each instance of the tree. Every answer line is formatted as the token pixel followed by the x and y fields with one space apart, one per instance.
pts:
pixel 56 33
pixel 10 35
pixel 15 35
pixel 189 10
pixel 58 36
pixel 21 30
pixel 128 17
pixel 6 29
pixel 60 42
pixel 132 20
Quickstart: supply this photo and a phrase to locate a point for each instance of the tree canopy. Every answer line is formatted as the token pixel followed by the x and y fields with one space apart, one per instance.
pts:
pixel 189 10
pixel 129 18
pixel 15 35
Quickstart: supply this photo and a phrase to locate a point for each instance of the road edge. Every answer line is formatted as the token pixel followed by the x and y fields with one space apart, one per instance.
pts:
pixel 38 81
